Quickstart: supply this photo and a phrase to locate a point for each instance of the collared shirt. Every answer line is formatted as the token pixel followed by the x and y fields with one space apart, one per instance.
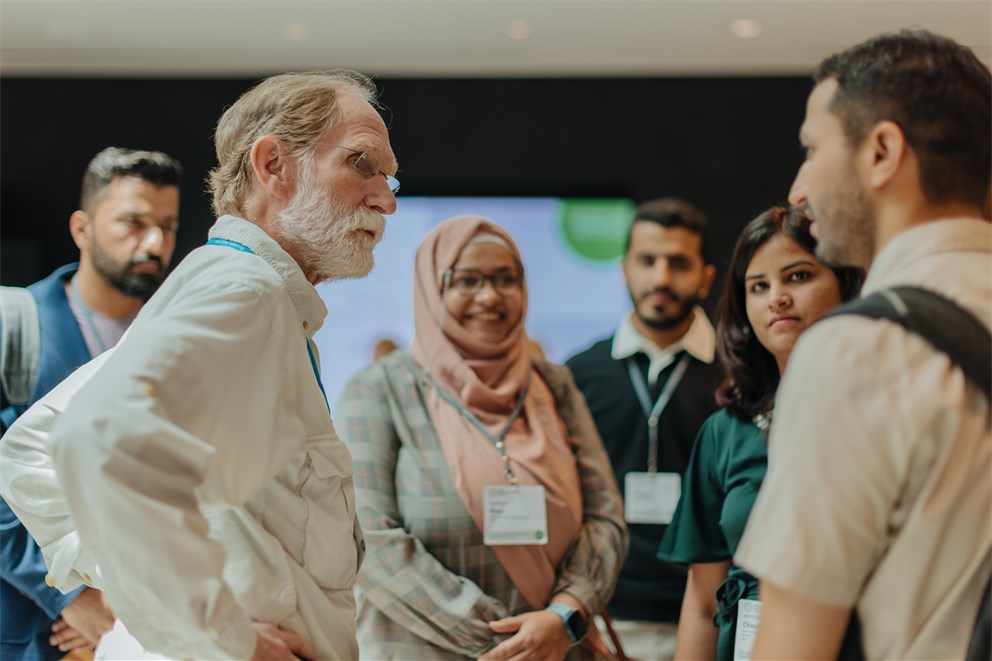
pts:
pixel 206 417
pixel 699 341
pixel 877 495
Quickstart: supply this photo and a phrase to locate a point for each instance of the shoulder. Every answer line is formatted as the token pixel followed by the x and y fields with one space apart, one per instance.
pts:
pixel 52 288
pixel 723 422
pixel 397 371
pixel 231 285
pixel 596 353
pixel 593 363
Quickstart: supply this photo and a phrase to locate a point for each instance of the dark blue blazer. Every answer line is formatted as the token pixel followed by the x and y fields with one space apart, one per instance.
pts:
pixel 28 604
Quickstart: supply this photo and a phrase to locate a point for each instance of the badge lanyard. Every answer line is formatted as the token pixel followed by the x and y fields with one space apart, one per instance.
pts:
pixel 87 315
pixel 653 414
pixel 497 441
pixel 227 243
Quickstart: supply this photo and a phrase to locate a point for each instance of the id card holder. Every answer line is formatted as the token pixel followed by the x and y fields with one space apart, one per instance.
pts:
pixel 748 616
pixel 514 515
pixel 651 497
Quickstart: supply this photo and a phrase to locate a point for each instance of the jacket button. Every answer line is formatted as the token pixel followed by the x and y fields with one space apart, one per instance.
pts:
pixel 49 580
pixel 363 546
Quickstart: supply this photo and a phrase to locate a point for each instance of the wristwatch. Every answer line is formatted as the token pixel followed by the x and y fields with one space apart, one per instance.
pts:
pixel 576 626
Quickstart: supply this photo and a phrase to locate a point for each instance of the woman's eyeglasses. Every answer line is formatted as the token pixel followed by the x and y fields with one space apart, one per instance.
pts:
pixel 472 282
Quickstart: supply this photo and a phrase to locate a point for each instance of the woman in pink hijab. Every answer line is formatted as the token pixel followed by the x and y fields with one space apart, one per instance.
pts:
pixel 493 524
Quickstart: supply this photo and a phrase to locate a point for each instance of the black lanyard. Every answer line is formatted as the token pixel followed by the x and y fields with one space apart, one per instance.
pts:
pixel 653 413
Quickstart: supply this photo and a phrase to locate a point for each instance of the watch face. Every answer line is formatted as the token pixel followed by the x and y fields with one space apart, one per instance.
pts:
pixel 578 625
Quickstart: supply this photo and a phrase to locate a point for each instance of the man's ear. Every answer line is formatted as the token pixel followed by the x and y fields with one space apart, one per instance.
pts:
pixel 709 274
pixel 81 229
pixel 274 169
pixel 885 153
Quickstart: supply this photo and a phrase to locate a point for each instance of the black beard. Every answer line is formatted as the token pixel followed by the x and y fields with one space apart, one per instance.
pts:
pixel 686 308
pixel 138 285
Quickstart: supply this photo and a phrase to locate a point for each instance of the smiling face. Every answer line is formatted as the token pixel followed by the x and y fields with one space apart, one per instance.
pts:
pixel 786 290
pixel 490 312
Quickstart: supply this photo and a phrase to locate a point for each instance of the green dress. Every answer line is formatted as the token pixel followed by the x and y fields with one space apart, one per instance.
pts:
pixel 726 468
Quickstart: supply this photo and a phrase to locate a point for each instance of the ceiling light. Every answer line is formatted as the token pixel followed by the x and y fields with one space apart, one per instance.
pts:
pixel 517 29
pixel 745 28
pixel 296 31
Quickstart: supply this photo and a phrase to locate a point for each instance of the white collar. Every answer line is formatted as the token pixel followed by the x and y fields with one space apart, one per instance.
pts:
pixel 699 341
pixel 304 296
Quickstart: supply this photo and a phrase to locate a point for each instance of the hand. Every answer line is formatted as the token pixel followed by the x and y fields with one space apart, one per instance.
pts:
pixel 540 635
pixel 275 644
pixel 89 615
pixel 66 638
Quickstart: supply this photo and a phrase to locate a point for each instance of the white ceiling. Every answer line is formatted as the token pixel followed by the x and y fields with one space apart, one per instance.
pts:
pixel 468 38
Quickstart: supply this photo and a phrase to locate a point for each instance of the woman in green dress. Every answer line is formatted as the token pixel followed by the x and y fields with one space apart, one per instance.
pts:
pixel 775 288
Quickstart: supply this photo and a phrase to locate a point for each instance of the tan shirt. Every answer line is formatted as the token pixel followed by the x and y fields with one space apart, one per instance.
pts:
pixel 879 488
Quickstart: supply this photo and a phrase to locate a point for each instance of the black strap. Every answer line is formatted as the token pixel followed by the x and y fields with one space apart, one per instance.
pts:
pixel 944 324
pixel 956 332
pixel 980 648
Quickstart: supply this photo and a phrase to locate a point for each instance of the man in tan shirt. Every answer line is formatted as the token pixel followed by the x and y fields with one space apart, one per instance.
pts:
pixel 877 499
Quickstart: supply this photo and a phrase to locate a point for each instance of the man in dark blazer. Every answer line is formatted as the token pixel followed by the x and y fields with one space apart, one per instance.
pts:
pixel 125 231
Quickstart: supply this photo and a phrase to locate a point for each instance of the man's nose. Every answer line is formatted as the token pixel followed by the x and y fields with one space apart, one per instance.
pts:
pixel 153 242
pixel 662 272
pixel 799 193
pixel 381 199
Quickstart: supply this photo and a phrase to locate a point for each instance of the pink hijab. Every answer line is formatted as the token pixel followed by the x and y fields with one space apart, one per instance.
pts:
pixel 486 379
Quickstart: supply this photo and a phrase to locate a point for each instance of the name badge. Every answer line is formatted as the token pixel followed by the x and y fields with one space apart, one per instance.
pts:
pixel 515 515
pixel 651 497
pixel 748 615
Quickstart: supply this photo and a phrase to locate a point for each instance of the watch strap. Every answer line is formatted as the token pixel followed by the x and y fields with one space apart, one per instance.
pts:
pixel 566 614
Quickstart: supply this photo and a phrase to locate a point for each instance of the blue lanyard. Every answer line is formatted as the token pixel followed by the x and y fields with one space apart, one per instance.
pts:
pixel 497 441
pixel 227 243
pixel 653 414
pixel 87 315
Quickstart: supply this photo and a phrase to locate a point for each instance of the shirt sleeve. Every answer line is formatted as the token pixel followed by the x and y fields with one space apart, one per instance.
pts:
pixel 590 569
pixel 31 486
pixel 23 566
pixel 399 576
pixel 174 419
pixel 694 535
pixel 837 460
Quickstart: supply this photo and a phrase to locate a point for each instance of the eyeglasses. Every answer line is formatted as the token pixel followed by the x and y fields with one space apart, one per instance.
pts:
pixel 471 283
pixel 367 166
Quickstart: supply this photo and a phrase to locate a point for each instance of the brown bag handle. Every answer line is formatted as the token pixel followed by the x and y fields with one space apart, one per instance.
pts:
pixel 614 638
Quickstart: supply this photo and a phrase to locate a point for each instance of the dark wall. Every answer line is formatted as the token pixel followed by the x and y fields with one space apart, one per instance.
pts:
pixel 729 145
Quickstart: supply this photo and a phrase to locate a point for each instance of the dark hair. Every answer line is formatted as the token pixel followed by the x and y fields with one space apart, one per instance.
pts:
pixel 112 163
pixel 752 373
pixel 940 95
pixel 673 212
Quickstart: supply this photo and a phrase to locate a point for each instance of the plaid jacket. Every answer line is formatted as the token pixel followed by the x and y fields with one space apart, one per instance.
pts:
pixel 429 586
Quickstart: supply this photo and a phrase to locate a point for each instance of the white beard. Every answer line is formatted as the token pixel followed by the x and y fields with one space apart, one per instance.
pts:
pixel 325 234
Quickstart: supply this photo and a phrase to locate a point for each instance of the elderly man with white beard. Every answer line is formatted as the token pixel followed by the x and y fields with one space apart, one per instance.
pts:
pixel 198 462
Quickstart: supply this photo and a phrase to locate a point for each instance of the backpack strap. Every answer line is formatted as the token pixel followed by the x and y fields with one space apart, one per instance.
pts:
pixel 20 344
pixel 947 326
pixel 956 332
